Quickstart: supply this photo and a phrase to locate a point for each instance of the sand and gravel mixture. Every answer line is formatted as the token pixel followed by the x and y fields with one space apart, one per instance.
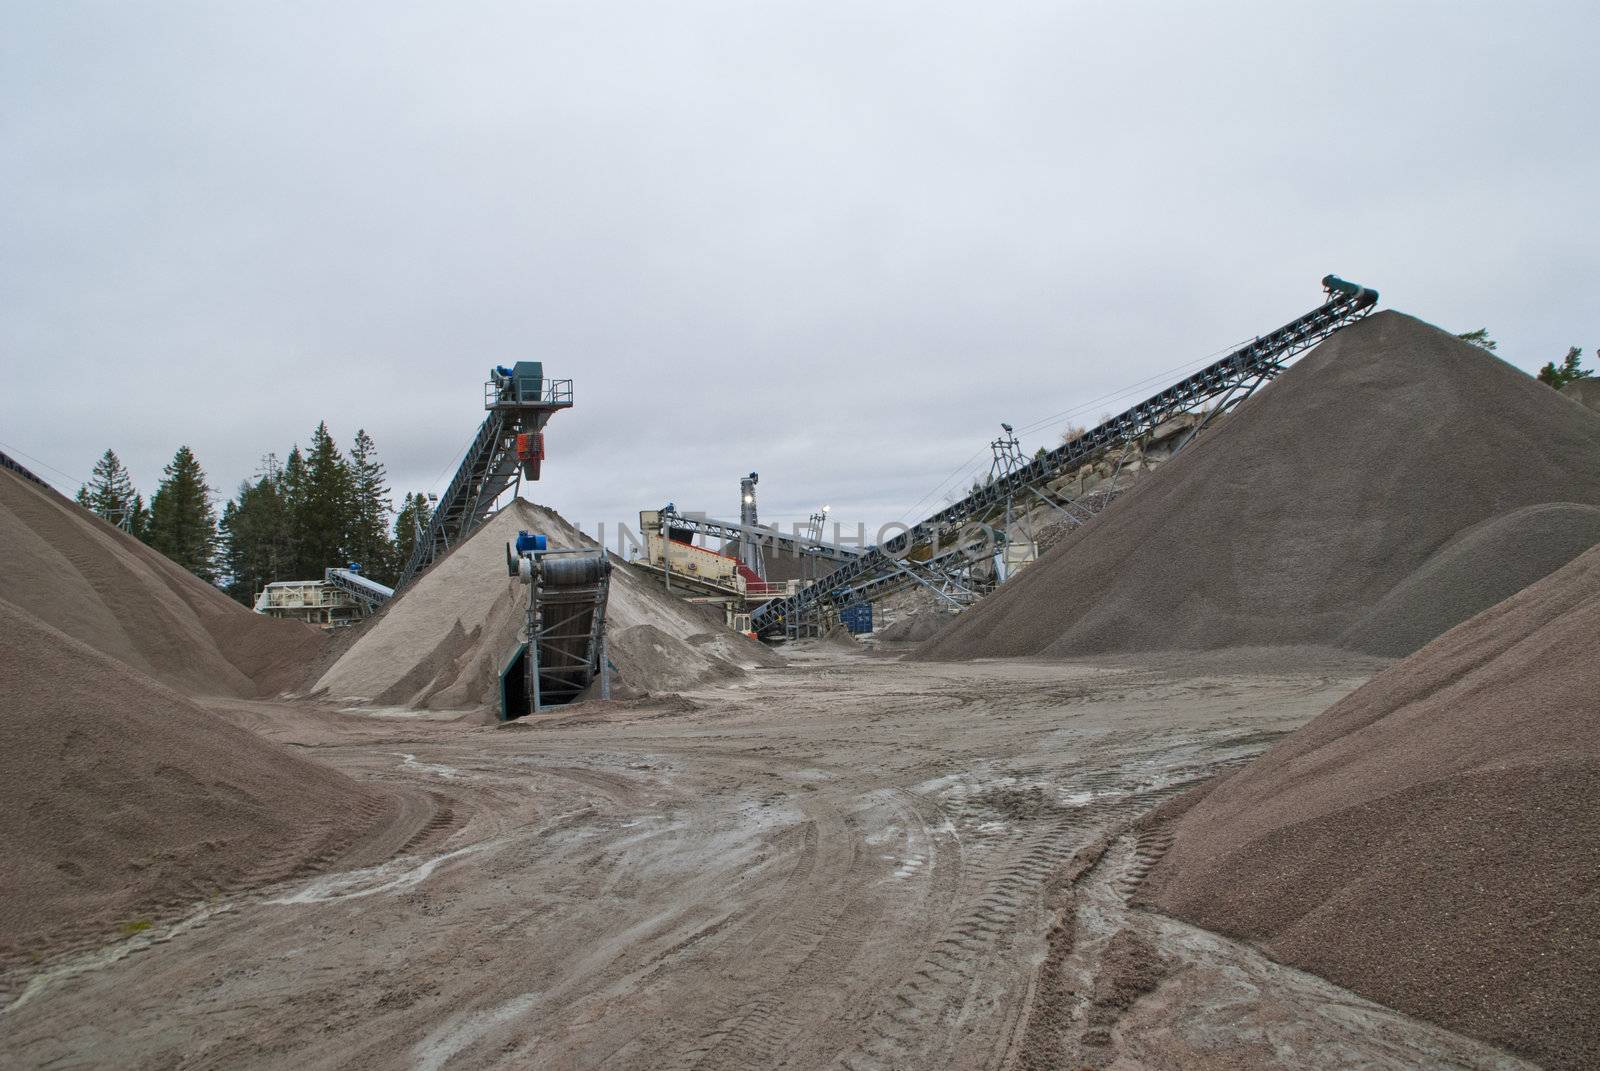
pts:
pixel 440 645
pixel 99 585
pixel 1433 841
pixel 121 800
pixel 1376 494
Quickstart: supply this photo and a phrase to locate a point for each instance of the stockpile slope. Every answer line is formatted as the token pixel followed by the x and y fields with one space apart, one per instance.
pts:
pixel 1585 391
pixel 121 800
pixel 1291 522
pixel 101 586
pixel 441 643
pixel 1487 563
pixel 915 627
pixel 1432 841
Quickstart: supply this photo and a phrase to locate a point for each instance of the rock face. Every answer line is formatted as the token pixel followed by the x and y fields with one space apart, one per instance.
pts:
pixel 1293 520
pixel 1432 841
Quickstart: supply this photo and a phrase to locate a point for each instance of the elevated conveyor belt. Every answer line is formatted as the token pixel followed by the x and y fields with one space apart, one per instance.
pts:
pixel 564 645
pixel 729 533
pixel 520 401
pixel 7 462
pixel 370 592
pixel 1226 381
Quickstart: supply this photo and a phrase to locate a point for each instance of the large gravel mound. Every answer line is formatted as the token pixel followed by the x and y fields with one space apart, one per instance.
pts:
pixel 441 643
pixel 1293 520
pixel 99 585
pixel 1487 563
pixel 122 801
pixel 1432 841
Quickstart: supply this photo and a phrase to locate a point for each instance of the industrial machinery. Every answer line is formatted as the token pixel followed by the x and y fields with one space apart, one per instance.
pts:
pixel 749 547
pixel 7 462
pixel 509 447
pixel 563 649
pixel 966 528
pixel 342 597
pixel 685 526
pixel 362 588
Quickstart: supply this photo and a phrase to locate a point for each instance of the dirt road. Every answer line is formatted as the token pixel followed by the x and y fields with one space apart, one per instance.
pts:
pixel 851 862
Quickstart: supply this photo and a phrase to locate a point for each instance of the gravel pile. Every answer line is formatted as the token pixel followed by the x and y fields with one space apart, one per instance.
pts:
pixel 97 584
pixel 122 801
pixel 1433 840
pixel 440 645
pixel 915 627
pixel 1393 459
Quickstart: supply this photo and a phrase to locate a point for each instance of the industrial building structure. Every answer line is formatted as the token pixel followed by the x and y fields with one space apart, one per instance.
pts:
pixel 342 597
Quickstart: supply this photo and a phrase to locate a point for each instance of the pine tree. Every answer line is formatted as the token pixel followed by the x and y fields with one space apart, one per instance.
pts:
pixel 414 515
pixel 368 538
pixel 1567 371
pixel 257 545
pixel 183 523
pixel 292 486
pixel 110 495
pixel 320 496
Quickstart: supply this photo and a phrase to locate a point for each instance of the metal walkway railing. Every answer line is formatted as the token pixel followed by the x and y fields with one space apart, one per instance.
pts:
pixel 490 467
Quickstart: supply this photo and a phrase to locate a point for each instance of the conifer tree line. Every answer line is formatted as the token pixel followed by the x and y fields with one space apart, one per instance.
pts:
pixel 316 508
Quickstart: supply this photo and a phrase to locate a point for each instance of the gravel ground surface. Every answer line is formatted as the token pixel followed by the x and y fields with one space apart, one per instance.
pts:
pixel 847 862
pixel 1433 840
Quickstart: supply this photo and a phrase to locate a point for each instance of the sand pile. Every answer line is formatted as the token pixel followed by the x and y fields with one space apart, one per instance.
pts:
pixel 122 801
pixel 1432 841
pixel 101 586
pixel 915 627
pixel 1585 391
pixel 1394 458
pixel 440 645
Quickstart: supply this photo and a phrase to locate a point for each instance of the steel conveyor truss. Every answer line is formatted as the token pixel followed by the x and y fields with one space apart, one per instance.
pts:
pixel 369 592
pixel 1224 383
pixel 518 407
pixel 729 534
pixel 564 649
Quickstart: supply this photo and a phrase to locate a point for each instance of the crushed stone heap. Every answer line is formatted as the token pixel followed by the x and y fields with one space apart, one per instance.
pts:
pixel 1433 840
pixel 440 644
pixel 101 586
pixel 1393 459
pixel 122 801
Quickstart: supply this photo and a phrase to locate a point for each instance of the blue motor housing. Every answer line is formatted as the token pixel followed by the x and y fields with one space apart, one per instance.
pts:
pixel 529 543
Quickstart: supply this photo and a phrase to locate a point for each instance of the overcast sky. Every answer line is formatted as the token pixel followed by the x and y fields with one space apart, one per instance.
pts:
pixel 837 243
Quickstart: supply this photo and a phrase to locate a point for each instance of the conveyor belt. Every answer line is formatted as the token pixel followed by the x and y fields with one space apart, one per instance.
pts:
pixel 368 591
pixel 564 645
pixel 491 464
pixel 729 532
pixel 1233 376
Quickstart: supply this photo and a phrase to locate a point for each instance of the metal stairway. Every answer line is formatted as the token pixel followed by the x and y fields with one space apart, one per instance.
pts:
pixel 1227 381
pixel 520 401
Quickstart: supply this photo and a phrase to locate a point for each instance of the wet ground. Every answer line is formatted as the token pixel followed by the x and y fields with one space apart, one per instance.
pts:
pixel 849 863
